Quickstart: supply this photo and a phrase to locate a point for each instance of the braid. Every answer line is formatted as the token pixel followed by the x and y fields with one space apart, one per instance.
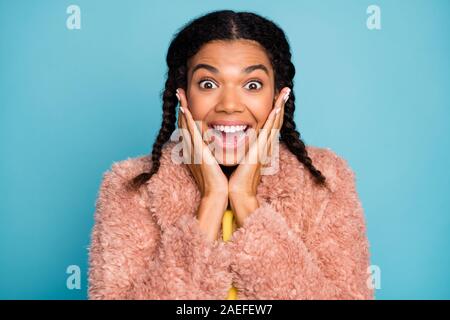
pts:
pixel 227 25
pixel 293 141
pixel 167 127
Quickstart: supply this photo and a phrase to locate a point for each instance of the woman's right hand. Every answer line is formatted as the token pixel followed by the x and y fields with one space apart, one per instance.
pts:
pixel 209 176
pixel 211 180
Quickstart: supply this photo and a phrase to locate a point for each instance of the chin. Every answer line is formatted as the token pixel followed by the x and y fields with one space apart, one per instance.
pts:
pixel 230 159
pixel 228 164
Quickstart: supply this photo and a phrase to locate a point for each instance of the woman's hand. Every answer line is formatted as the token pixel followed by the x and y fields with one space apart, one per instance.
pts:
pixel 207 172
pixel 211 180
pixel 244 181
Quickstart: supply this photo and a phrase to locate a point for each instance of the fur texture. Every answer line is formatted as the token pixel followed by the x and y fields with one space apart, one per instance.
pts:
pixel 303 242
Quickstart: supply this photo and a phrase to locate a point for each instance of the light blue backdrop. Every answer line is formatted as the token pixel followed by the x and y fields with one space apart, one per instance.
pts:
pixel 72 102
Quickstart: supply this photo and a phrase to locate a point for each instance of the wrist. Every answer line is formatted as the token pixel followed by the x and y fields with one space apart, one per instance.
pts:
pixel 219 199
pixel 242 207
pixel 210 214
pixel 215 195
pixel 241 196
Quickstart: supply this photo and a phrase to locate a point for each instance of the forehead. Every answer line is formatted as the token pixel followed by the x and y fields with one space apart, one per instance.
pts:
pixel 231 54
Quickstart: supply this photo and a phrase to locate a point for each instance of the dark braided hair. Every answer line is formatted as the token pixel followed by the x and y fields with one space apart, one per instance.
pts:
pixel 228 25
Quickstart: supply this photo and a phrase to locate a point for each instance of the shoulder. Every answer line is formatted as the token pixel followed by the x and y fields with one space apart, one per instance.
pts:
pixel 333 166
pixel 115 180
pixel 130 167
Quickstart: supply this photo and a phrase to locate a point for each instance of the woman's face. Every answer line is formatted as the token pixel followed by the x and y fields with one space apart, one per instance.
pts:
pixel 230 89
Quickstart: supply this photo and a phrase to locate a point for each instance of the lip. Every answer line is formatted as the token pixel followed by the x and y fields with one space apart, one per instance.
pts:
pixel 222 139
pixel 229 123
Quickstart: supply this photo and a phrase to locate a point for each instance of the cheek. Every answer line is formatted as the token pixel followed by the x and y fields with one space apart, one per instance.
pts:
pixel 261 111
pixel 198 106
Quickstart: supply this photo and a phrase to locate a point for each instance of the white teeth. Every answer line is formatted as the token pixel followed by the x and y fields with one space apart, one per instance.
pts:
pixel 229 128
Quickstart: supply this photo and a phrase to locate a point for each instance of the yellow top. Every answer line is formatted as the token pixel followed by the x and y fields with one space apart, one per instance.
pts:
pixel 228 226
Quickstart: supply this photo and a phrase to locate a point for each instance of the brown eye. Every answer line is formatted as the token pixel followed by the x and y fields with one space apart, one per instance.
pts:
pixel 206 84
pixel 254 85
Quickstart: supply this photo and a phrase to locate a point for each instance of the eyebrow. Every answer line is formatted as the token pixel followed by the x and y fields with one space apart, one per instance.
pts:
pixel 245 70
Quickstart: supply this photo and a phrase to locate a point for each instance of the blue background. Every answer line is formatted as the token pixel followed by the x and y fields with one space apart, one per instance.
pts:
pixel 72 102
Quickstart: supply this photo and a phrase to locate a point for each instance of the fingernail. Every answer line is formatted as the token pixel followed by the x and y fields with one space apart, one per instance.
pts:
pixel 181 109
pixel 178 96
pixel 286 96
pixel 278 110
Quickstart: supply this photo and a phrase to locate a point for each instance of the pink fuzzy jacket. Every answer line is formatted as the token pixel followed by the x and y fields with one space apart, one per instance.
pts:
pixel 303 242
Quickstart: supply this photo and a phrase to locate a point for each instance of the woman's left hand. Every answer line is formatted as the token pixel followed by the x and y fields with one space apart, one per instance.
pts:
pixel 244 181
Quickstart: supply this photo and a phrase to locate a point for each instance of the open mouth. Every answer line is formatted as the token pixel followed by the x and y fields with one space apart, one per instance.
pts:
pixel 229 136
pixel 229 129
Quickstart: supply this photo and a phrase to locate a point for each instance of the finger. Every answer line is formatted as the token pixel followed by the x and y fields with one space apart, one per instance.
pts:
pixel 274 133
pixel 280 114
pixel 275 113
pixel 190 121
pixel 188 156
pixel 282 97
pixel 280 103
pixel 258 148
pixel 187 140
pixel 277 131
pixel 180 116
pixel 196 137
pixel 185 128
pixel 201 150
pixel 270 129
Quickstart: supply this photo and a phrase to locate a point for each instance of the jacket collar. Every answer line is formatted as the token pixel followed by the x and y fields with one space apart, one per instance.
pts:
pixel 174 192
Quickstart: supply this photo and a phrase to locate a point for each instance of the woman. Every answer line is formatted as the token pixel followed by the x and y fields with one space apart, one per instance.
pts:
pixel 299 225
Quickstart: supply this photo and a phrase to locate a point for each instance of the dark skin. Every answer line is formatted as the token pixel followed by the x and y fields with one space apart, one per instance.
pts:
pixel 230 94
pixel 228 171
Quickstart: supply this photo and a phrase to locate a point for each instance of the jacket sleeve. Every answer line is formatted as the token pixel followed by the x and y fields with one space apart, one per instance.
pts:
pixel 330 261
pixel 130 258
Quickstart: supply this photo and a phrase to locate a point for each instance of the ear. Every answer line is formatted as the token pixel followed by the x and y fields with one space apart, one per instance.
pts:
pixel 182 92
pixel 277 93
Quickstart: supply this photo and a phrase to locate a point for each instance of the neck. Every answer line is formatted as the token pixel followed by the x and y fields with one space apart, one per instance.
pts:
pixel 228 170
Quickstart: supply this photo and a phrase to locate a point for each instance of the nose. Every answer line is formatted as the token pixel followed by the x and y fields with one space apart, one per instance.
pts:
pixel 229 102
